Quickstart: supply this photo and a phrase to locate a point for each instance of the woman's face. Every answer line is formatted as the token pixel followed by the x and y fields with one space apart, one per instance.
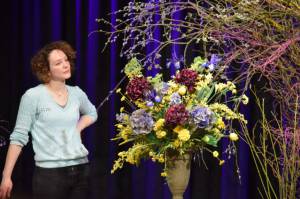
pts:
pixel 59 65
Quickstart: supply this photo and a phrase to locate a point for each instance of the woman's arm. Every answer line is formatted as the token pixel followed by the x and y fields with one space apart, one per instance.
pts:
pixel 84 122
pixel 11 159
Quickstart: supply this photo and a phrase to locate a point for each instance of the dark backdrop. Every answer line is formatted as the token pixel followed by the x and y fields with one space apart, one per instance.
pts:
pixel 26 26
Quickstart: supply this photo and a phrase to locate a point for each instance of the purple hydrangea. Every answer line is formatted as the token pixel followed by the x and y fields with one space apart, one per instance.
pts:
pixel 164 89
pixel 202 116
pixel 141 122
pixel 175 99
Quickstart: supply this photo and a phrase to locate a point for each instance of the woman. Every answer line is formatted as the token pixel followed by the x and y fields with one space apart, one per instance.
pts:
pixel 55 114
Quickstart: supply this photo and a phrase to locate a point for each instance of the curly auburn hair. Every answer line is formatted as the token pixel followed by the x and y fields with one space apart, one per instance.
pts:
pixel 40 61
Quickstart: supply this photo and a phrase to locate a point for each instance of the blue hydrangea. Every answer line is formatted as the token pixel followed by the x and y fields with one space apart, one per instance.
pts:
pixel 203 117
pixel 175 99
pixel 141 122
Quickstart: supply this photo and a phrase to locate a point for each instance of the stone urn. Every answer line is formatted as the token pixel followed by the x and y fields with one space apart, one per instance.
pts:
pixel 178 174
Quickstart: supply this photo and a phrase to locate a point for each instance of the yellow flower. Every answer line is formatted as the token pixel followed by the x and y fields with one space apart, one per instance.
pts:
pixel 205 138
pixel 121 109
pixel 208 77
pixel 151 153
pixel 161 159
pixel 182 90
pixel 123 98
pixel 245 99
pixel 121 154
pixel 176 143
pixel 184 135
pixel 216 154
pixel 161 134
pixel 159 124
pixel 221 162
pixel 230 85
pixel 118 90
pixel 234 91
pixel 177 129
pixel 220 86
pixel 120 126
pixel 233 137
pixel 163 174
pixel 220 124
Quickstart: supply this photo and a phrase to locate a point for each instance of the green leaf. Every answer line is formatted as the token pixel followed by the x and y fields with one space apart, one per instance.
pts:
pixel 211 140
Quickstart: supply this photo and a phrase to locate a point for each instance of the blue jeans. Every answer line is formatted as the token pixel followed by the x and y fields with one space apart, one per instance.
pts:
pixel 70 182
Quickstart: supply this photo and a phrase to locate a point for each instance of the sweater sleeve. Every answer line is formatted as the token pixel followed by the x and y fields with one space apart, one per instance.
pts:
pixel 24 121
pixel 86 107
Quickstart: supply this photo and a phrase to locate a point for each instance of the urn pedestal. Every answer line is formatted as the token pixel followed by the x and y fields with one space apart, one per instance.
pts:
pixel 178 174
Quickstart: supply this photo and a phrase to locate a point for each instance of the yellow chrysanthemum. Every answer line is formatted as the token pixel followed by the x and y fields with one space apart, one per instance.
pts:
pixel 161 134
pixel 176 143
pixel 177 129
pixel 184 135
pixel 159 124
pixel 182 90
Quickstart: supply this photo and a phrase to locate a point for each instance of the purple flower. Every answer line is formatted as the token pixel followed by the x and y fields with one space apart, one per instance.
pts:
pixel 149 95
pixel 175 99
pixel 174 61
pixel 141 122
pixel 164 89
pixel 212 64
pixel 202 116
pixel 149 103
pixel 157 99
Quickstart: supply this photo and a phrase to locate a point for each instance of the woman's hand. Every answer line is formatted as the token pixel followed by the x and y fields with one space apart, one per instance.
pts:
pixel 5 188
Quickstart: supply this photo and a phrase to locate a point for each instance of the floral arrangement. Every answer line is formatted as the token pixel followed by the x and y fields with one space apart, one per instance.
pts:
pixel 186 114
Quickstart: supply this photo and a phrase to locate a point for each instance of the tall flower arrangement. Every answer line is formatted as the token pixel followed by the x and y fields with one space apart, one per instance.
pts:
pixel 186 114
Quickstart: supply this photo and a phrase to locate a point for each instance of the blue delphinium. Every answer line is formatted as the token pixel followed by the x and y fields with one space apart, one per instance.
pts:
pixel 202 116
pixel 141 122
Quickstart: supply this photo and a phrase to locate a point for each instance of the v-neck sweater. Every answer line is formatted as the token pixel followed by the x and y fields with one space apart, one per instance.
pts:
pixel 56 141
